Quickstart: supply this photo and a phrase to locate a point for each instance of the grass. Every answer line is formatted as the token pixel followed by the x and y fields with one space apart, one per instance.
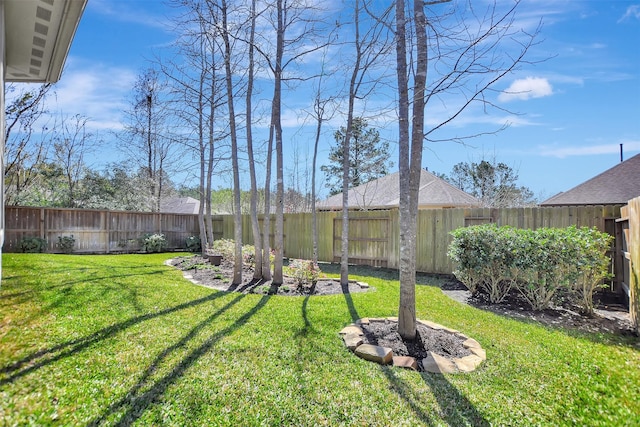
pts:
pixel 125 340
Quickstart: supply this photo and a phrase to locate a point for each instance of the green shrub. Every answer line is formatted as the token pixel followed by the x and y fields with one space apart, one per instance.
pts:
pixel 66 243
pixel 592 264
pixel 153 243
pixel 193 244
pixel 485 259
pixel 32 245
pixel 224 247
pixel 305 272
pixel 540 264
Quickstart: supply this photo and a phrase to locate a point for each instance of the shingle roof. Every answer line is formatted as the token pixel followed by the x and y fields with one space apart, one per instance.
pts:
pixel 614 186
pixel 181 205
pixel 382 193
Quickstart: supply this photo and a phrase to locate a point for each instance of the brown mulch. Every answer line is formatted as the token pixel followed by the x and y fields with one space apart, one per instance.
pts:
pixel 610 316
pixel 220 278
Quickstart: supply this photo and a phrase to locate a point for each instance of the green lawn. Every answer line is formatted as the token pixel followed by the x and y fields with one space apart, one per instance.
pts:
pixel 121 340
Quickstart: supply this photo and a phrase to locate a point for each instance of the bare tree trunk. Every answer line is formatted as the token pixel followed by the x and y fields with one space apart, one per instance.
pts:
pixel 410 161
pixel 204 241
pixel 407 310
pixel 255 225
pixel 207 194
pixel 237 269
pixel 266 223
pixel 277 125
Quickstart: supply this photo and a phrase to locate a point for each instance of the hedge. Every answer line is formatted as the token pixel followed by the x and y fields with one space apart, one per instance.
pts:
pixel 537 263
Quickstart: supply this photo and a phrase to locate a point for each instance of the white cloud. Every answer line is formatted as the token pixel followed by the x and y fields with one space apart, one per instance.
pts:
pixel 563 152
pixel 94 91
pixel 527 88
pixel 632 12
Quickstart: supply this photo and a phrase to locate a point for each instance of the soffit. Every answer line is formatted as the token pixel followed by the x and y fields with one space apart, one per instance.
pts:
pixel 38 35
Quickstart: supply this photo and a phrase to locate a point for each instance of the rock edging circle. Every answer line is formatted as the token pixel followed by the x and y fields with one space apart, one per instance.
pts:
pixel 353 338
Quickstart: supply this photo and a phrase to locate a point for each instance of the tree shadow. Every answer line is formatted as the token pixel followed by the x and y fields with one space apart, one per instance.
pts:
pixel 454 408
pixel 353 311
pixel 47 356
pixel 148 391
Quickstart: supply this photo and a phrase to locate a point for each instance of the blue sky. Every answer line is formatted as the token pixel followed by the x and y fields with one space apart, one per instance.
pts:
pixel 575 108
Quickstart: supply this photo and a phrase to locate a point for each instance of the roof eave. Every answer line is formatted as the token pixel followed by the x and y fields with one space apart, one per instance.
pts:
pixel 37 47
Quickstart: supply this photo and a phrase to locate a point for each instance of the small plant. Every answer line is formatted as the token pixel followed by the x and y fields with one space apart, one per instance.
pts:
pixel 193 244
pixel 224 247
pixel 305 272
pixel 153 243
pixel 32 245
pixel 66 243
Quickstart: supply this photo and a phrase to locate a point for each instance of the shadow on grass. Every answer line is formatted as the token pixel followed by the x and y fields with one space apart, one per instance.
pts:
pixel 454 408
pixel 148 391
pixel 353 311
pixel 47 356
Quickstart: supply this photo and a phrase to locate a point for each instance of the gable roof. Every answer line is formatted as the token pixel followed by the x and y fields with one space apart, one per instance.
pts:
pixel 614 186
pixel 180 205
pixel 383 193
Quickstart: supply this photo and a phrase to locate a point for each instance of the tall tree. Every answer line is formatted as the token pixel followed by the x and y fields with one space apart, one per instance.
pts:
pixel 227 54
pixel 71 145
pixel 494 183
pixel 470 54
pixel 369 157
pixel 145 137
pixel 369 44
pixel 294 23
pixel 253 212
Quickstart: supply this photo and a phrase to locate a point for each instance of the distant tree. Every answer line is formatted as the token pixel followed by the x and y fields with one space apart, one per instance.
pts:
pixel 494 183
pixel 146 140
pixel 369 156
pixel 116 187
pixel 25 146
pixel 71 143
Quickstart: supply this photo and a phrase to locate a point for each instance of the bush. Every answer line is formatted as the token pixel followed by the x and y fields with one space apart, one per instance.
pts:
pixel 539 264
pixel 193 244
pixel 224 247
pixel 32 245
pixel 305 272
pixel 66 243
pixel 485 258
pixel 153 243
pixel 593 265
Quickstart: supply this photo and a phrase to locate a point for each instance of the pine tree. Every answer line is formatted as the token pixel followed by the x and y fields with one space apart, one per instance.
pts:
pixel 368 157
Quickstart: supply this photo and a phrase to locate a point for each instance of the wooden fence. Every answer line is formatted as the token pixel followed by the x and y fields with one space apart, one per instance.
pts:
pixel 373 235
pixel 95 231
pixel 628 250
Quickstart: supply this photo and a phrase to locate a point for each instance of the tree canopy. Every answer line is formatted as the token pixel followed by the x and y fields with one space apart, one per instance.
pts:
pixel 369 156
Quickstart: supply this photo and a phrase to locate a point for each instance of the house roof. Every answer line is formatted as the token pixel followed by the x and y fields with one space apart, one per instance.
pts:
pixel 614 186
pixel 181 205
pixel 383 193
pixel 38 35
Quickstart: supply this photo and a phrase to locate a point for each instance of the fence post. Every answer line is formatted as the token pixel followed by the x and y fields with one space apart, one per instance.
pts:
pixel 633 249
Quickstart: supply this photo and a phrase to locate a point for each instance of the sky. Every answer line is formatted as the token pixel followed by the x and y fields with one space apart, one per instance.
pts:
pixel 575 104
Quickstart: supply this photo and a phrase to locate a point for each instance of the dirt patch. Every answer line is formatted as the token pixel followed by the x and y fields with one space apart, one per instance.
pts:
pixel 385 334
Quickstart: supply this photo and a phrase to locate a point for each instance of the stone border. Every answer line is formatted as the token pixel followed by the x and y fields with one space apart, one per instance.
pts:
pixel 435 363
